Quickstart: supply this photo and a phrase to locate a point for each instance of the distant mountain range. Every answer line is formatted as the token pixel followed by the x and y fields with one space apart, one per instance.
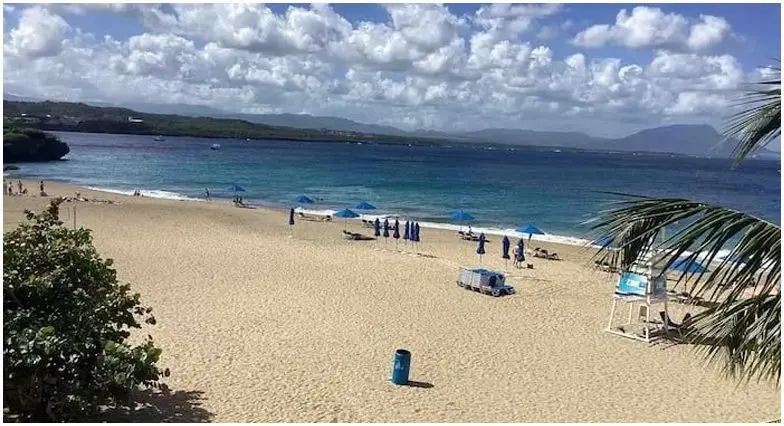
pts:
pixel 695 140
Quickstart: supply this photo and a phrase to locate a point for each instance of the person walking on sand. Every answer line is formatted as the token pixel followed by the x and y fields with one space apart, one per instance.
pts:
pixel 207 193
pixel 42 187
pixel 19 185
pixel 10 188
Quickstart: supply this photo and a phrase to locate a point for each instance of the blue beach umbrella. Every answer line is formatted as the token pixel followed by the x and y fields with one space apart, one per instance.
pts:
pixel 386 229
pixel 691 267
pixel 505 250
pixel 291 222
pixel 377 228
pixel 347 214
pixel 520 251
pixel 530 230
pixel 480 250
pixel 461 216
pixel 396 231
pixel 235 188
pixel 603 241
pixel 303 199
pixel 365 206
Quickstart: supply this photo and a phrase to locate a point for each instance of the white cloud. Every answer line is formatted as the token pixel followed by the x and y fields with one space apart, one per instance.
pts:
pixel 39 33
pixel 422 67
pixel 650 27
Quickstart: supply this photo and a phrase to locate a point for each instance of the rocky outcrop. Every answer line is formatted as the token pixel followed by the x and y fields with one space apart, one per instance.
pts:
pixel 30 145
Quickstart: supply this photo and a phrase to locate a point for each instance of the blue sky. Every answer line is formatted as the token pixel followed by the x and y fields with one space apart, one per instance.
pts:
pixel 413 66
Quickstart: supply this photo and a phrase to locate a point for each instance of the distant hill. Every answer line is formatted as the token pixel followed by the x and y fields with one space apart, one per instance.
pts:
pixel 532 137
pixel 699 140
pixel 696 140
pixel 307 121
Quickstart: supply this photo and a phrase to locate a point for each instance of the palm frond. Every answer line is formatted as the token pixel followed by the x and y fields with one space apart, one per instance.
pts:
pixel 760 123
pixel 746 333
pixel 737 327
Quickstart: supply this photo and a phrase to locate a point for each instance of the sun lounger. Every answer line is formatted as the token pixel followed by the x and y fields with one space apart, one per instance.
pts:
pixel 605 266
pixel 356 236
pixel 314 217
pixel 544 254
pixel 684 297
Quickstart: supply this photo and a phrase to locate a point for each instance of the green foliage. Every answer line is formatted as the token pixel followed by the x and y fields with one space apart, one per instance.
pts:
pixel 760 121
pixel 24 144
pixel 742 331
pixel 77 117
pixel 66 324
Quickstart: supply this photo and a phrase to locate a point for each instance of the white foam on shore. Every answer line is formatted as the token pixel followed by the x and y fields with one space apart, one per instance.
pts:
pixel 557 239
pixel 511 233
pixel 152 193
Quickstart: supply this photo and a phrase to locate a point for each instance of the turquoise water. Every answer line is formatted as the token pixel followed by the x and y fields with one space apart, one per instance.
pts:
pixel 502 188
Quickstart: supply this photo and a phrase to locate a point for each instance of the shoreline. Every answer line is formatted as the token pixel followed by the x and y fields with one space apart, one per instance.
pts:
pixel 562 240
pixel 444 226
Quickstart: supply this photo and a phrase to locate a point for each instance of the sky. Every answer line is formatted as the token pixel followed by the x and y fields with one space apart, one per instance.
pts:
pixel 603 69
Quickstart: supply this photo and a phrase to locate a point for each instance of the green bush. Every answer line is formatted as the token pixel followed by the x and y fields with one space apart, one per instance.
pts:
pixel 66 325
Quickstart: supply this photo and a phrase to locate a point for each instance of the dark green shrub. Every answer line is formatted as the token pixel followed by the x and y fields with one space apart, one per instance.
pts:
pixel 66 325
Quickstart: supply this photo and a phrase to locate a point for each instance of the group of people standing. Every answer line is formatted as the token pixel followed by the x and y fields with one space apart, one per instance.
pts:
pixel 21 189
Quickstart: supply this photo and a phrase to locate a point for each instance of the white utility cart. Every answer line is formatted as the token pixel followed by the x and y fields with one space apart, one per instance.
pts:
pixel 484 281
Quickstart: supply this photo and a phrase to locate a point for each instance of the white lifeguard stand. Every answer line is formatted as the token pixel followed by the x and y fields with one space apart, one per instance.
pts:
pixel 642 286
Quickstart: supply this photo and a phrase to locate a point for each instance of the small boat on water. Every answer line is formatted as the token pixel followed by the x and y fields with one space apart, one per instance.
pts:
pixel 557 150
pixel 215 147
pixel 159 138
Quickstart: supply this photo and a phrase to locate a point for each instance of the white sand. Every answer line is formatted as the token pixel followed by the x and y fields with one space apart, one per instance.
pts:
pixel 303 329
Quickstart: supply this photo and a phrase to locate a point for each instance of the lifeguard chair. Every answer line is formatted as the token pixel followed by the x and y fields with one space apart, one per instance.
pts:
pixel 644 287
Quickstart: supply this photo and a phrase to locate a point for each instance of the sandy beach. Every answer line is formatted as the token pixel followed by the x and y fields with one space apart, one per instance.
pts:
pixel 259 326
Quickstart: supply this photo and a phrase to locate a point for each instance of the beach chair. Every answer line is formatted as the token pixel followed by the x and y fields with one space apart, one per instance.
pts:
pixel 356 236
pixel 684 297
pixel 314 217
pixel 671 326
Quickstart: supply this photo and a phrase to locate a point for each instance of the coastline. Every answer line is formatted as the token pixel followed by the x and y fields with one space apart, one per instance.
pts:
pixel 444 226
pixel 489 231
pixel 268 323
pixel 552 239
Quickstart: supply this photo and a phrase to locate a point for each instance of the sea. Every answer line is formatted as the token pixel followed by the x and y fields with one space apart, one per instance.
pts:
pixel 504 188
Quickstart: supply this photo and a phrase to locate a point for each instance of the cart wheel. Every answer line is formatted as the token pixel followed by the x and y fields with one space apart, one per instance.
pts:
pixel 496 292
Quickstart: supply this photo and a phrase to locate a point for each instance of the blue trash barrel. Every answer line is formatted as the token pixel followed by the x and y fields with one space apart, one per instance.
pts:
pixel 401 367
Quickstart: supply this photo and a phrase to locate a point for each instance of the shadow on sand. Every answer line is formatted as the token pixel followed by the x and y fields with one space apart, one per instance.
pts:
pixel 159 407
pixel 423 385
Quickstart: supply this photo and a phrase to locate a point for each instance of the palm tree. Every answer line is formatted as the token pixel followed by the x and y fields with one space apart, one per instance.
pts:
pixel 740 330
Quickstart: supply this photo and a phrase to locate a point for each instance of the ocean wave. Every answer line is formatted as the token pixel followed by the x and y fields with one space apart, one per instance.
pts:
pixel 152 193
